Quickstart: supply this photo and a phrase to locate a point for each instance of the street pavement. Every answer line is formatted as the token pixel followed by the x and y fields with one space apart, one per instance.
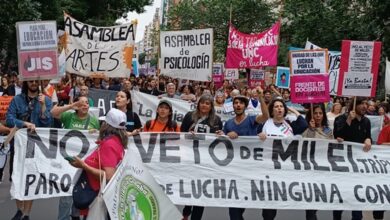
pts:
pixel 47 209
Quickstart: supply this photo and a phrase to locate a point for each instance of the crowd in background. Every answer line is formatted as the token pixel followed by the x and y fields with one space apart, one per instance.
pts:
pixel 259 111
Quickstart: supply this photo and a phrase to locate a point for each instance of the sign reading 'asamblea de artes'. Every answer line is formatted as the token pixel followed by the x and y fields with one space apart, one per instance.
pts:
pixel 187 54
pixel 99 51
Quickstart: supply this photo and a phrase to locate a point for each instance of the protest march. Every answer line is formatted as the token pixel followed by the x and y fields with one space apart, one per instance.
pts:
pixel 83 121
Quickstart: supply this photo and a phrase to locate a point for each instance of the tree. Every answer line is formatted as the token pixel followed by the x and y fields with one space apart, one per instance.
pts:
pixel 141 58
pixel 327 23
pixel 248 16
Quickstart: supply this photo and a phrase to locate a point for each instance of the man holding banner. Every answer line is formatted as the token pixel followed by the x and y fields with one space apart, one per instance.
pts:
pixel 243 125
pixel 353 126
pixel 28 109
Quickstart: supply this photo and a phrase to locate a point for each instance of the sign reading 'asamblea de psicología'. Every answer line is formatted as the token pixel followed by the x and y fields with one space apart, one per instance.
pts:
pixel 210 170
pixel 359 68
pixel 187 54
pixel 99 51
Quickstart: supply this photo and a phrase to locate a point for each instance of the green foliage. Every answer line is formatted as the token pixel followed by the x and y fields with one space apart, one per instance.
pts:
pixel 141 58
pixel 248 16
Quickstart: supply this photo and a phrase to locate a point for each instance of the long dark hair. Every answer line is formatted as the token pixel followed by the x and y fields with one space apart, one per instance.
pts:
pixel 212 118
pixel 107 130
pixel 129 106
pixel 324 121
pixel 171 125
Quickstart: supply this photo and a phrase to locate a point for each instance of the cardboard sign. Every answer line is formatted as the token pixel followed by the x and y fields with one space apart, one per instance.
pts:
pixel 310 88
pixel 304 62
pixel 38 64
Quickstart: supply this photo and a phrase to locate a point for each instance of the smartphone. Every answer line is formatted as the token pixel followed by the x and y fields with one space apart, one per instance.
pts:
pixel 69 158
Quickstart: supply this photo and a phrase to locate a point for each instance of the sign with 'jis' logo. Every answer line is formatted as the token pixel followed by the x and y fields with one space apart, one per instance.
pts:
pixel 43 64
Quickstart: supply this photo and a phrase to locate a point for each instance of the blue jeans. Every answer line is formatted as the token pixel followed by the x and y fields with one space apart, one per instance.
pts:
pixel 66 208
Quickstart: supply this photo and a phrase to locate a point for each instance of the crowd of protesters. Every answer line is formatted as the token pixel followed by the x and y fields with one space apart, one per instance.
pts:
pixel 258 112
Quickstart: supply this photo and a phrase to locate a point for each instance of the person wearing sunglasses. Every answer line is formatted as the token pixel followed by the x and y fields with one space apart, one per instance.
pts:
pixel 30 109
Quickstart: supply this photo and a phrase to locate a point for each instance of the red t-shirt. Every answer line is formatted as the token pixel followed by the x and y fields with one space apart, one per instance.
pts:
pixel 384 135
pixel 111 153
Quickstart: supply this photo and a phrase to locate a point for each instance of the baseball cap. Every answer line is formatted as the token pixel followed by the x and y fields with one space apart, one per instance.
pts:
pixel 116 118
pixel 164 101
pixel 242 98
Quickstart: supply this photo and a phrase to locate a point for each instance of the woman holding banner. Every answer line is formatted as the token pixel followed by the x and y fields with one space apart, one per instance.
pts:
pixel 112 142
pixel 124 103
pixel 318 128
pixel 278 126
pixel 202 120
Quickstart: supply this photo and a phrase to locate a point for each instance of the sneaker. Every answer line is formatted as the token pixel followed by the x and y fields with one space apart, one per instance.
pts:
pixel 18 215
pixel 26 217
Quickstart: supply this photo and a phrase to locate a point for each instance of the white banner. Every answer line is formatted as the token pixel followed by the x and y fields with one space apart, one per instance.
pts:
pixel 304 62
pixel 387 77
pixel 40 170
pixel 232 74
pixel 99 51
pixel 36 35
pixel 187 54
pixel 132 193
pixel 207 170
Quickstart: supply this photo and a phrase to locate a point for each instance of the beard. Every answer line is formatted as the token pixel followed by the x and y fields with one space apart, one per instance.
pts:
pixel 33 90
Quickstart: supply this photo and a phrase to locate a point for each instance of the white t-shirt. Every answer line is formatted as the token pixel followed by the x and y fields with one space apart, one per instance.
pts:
pixel 282 130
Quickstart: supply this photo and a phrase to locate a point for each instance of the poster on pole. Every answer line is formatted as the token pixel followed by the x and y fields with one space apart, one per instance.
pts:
pixel 304 62
pixel 36 35
pixel 310 88
pixel 283 77
pixel 256 78
pixel 41 64
pixel 359 68
pixel 218 74
pixel 99 51
pixel 187 54
pixel 252 50
pixel 231 74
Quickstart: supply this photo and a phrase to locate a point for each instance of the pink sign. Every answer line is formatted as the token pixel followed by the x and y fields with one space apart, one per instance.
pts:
pixel 218 74
pixel 310 88
pixel 359 68
pixel 256 78
pixel 252 50
pixel 38 64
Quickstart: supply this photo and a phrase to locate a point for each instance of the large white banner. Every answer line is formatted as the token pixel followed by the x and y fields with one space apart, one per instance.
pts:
pixel 99 51
pixel 208 170
pixel 40 170
pixel 187 54
pixel 132 193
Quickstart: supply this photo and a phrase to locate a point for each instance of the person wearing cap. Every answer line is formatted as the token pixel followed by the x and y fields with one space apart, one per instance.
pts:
pixel 202 120
pixel 278 126
pixel 112 142
pixel 355 127
pixel 163 121
pixel 244 125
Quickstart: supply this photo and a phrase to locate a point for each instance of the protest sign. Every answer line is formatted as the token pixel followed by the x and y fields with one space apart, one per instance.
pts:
pixel 99 51
pixel 36 35
pixel 212 170
pixel 40 169
pixel 310 88
pixel 387 76
pixel 256 78
pixel 41 64
pixel 187 54
pixel 4 104
pixel 218 74
pixel 132 193
pixel 231 74
pixel 359 68
pixel 308 61
pixel 252 50
pixel 283 77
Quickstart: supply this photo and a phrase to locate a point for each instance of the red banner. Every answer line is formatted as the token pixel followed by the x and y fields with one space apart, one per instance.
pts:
pixel 252 50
